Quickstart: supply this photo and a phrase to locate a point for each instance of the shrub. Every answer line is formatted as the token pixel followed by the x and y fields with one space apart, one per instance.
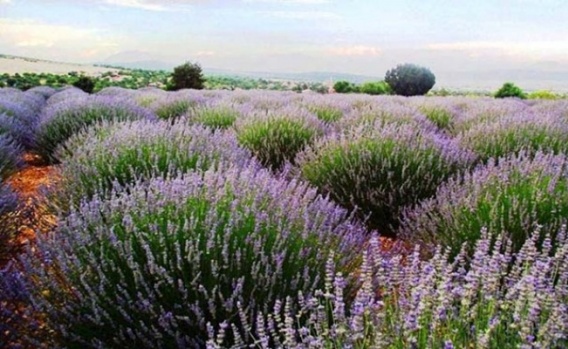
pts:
pixel 508 198
pixel 512 134
pixel 188 75
pixel 441 117
pixel 44 91
pixel 410 80
pixel 375 88
pixel 510 90
pixel 8 226
pixel 174 105
pixel 381 169
pixel 150 267
pixel 386 111
pixel 495 303
pixel 61 120
pixel 215 116
pixel 543 94
pixel 85 83
pixel 10 156
pixel 345 87
pixel 121 153
pixel 277 137
pixel 326 113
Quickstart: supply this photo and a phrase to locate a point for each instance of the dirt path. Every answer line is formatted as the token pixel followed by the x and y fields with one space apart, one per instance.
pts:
pixel 28 183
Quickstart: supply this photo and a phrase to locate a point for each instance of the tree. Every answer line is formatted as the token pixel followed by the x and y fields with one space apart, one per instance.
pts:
pixel 510 90
pixel 410 80
pixel 85 83
pixel 345 87
pixel 188 75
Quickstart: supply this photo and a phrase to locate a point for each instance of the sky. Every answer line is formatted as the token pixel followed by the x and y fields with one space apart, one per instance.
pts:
pixel 456 39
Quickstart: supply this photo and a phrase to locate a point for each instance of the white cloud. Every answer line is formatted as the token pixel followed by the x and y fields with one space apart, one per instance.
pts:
pixel 2 2
pixel 358 50
pixel 303 15
pixel 522 50
pixel 34 36
pixel 153 5
pixel 140 4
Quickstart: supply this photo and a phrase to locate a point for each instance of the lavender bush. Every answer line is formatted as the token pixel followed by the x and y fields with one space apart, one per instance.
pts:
pixel 217 116
pixel 156 262
pixel 10 156
pixel 502 300
pixel 276 137
pixel 44 91
pixel 8 226
pixel 529 132
pixel 61 120
pixel 386 111
pixel 380 169
pixel 509 197
pixel 174 105
pixel 121 153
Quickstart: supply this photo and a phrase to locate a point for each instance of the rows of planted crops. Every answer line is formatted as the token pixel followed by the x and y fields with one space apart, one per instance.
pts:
pixel 219 219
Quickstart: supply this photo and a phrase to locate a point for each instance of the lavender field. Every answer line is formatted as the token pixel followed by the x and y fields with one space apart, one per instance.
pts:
pixel 257 219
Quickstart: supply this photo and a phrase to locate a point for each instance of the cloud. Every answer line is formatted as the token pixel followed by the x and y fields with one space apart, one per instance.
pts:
pixel 3 2
pixel 522 50
pixel 303 15
pixel 34 36
pixel 205 53
pixel 140 4
pixel 358 50
pixel 153 5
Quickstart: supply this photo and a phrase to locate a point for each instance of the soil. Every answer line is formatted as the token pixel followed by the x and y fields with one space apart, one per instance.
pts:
pixel 29 182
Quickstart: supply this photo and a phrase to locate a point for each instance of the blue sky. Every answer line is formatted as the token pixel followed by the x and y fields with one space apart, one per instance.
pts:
pixel 352 36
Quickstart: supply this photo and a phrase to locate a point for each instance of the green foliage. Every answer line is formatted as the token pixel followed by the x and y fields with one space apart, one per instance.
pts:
pixel 218 117
pixel 543 94
pixel 510 90
pixel 275 140
pixel 188 75
pixel 172 109
pixel 378 170
pixel 441 117
pixel 375 88
pixel 345 87
pixel 326 113
pixel 85 83
pixel 121 153
pixel 410 80
pixel 510 197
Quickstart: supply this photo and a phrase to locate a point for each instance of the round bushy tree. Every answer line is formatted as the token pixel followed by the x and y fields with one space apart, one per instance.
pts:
pixel 410 80
pixel 188 75
pixel 510 90
pixel 158 263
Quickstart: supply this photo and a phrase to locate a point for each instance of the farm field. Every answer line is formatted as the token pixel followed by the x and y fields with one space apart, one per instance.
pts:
pixel 232 219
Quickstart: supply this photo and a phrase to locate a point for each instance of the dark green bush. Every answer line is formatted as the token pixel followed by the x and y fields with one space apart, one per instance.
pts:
pixel 410 80
pixel 510 90
pixel 85 83
pixel 188 75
